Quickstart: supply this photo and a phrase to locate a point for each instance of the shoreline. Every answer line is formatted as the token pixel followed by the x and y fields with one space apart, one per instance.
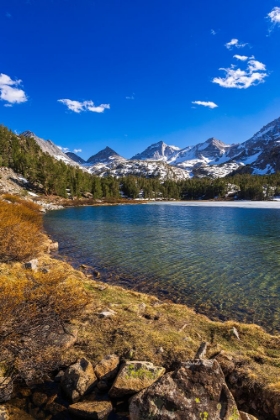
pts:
pixel 234 204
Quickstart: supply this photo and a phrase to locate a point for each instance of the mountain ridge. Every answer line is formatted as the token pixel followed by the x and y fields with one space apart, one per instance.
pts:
pixel 212 158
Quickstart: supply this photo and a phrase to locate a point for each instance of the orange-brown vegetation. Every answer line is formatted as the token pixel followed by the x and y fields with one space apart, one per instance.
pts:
pixel 20 230
pixel 35 310
pixel 35 306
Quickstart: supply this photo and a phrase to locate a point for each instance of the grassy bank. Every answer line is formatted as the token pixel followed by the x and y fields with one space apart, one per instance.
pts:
pixel 139 326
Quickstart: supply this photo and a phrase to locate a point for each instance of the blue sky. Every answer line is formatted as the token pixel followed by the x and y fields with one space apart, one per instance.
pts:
pixel 121 73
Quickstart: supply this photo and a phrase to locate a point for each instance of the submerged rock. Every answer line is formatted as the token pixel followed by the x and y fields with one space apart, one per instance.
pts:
pixel 197 390
pixel 133 377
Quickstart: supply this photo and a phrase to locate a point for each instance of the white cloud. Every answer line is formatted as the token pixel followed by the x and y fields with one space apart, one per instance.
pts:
pixel 10 93
pixel 234 43
pixel 211 105
pixel 274 15
pixel 78 107
pixel 213 32
pixel 254 74
pixel 77 150
pixel 241 57
pixel 130 97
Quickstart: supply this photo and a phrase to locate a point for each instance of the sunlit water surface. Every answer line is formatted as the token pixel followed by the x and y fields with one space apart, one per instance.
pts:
pixel 224 262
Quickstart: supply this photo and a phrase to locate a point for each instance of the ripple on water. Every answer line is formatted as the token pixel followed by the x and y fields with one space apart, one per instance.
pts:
pixel 224 262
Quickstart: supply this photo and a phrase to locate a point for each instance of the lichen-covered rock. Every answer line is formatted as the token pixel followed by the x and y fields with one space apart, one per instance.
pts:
pixel 78 379
pixel 6 388
pixel 97 410
pixel 197 390
pixel 107 368
pixel 133 377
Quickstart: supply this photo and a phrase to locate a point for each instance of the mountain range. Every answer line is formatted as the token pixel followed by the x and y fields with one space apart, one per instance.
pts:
pixel 213 158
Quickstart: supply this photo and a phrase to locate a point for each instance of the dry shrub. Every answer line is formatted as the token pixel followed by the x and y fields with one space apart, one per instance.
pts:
pixel 20 232
pixel 35 309
pixel 17 200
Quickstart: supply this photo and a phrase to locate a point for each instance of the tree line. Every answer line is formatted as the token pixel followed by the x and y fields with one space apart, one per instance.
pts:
pixel 51 176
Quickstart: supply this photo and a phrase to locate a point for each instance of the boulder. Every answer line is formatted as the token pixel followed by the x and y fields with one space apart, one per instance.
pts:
pixel 6 388
pixel 133 377
pixel 197 390
pixel 97 410
pixel 53 246
pixel 107 369
pixel 78 379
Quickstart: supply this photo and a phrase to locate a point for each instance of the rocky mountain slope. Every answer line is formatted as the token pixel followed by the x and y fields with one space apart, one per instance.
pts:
pixel 258 155
pixel 49 147
pixel 75 158
pixel 157 151
pixel 105 156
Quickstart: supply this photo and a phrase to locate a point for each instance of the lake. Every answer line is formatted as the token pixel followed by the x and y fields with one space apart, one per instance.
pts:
pixel 222 261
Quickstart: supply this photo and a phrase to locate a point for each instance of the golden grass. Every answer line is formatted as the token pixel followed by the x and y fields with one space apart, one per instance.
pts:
pixel 34 305
pixel 20 231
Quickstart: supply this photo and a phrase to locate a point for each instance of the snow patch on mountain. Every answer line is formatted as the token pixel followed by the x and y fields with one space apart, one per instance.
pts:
pixel 49 147
pixel 158 151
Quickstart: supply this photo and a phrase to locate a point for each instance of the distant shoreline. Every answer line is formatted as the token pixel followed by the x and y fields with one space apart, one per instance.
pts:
pixel 234 204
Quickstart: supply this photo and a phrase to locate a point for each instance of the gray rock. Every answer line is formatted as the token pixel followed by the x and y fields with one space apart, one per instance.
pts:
pixel 197 390
pixel 78 379
pixel 107 313
pixel 107 369
pixel 201 352
pixel 97 410
pixel 6 388
pixel 133 377
pixel 31 265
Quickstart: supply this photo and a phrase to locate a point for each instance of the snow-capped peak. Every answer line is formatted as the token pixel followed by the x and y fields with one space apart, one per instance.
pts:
pixel 269 131
pixel 157 151
pixel 105 155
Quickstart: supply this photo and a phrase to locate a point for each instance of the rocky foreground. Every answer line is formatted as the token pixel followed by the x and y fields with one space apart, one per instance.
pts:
pixel 132 356
pixel 195 390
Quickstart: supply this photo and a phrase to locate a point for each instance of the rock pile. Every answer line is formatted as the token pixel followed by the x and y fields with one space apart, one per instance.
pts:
pixel 135 390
